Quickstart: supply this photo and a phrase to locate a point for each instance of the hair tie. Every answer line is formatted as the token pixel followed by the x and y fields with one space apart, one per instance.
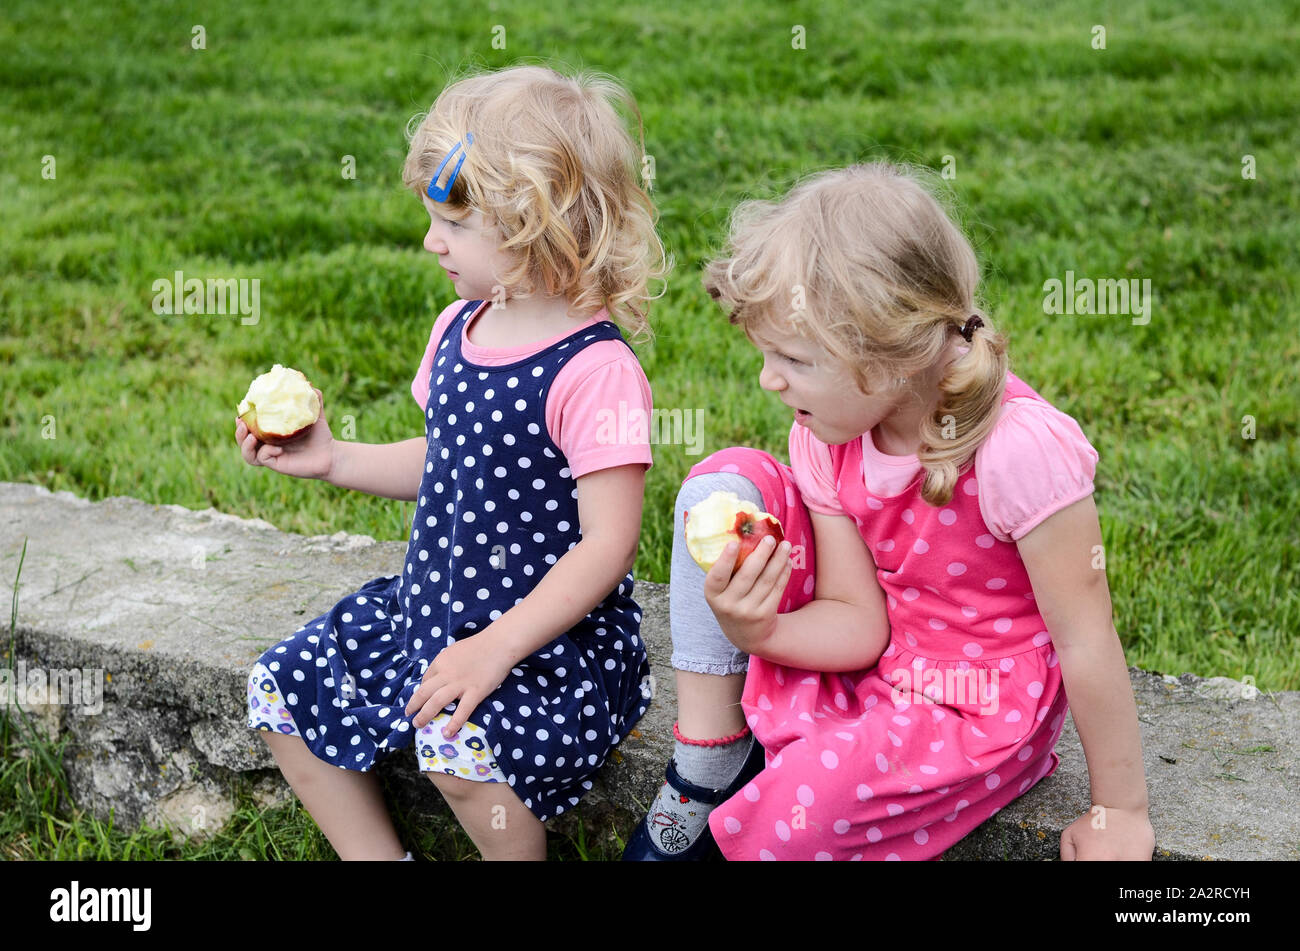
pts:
pixel 973 324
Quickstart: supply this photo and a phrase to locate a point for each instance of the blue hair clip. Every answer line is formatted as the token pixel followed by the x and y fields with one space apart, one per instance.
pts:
pixel 440 194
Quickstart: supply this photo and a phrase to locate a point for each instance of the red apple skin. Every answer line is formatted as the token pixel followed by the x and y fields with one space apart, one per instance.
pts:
pixel 277 439
pixel 751 532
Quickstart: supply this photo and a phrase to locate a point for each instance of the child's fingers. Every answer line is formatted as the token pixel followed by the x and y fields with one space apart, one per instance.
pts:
pixel 759 560
pixel 772 600
pixel 424 716
pixel 719 576
pixel 464 707
pixel 438 701
pixel 430 709
pixel 452 726
pixel 1067 847
pixel 249 449
pixel 428 686
pixel 776 559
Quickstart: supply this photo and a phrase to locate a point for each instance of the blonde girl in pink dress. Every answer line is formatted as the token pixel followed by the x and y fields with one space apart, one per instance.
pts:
pixel 903 660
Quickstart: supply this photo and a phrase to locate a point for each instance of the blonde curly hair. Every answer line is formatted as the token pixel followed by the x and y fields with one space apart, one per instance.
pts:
pixel 554 168
pixel 866 264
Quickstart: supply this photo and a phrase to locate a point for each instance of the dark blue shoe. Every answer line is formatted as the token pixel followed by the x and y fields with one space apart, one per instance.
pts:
pixel 659 839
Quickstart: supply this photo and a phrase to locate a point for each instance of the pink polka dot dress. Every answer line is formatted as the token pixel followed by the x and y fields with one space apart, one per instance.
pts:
pixel 959 717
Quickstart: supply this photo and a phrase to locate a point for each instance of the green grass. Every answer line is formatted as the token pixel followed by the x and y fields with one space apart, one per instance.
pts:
pixel 225 162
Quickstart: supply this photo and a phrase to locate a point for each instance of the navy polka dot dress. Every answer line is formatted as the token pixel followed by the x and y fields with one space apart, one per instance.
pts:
pixel 497 508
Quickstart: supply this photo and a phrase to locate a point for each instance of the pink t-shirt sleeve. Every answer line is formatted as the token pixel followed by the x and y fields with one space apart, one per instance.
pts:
pixel 599 410
pixel 1036 462
pixel 810 462
pixel 420 385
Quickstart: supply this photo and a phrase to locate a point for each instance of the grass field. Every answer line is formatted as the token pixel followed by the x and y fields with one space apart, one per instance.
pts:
pixel 126 155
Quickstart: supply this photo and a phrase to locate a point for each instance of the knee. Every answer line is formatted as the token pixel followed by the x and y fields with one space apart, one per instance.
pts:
pixel 736 461
pixel 700 487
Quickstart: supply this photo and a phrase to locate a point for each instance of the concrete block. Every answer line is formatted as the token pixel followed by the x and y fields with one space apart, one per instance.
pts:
pixel 167 608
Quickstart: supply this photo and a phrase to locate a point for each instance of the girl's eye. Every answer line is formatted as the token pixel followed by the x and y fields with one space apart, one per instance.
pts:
pixel 793 361
pixel 449 221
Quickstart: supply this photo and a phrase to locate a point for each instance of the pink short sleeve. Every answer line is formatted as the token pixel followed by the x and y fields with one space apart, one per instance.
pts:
pixel 810 462
pixel 599 410
pixel 420 385
pixel 1035 463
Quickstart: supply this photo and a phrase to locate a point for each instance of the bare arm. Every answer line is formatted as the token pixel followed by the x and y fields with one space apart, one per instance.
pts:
pixel 609 511
pixel 392 470
pixel 1074 599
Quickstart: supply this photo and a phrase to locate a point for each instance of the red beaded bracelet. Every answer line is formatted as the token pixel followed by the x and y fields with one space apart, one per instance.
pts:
pixel 722 742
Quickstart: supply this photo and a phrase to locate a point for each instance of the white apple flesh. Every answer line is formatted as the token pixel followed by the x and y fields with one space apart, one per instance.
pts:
pixel 713 523
pixel 280 406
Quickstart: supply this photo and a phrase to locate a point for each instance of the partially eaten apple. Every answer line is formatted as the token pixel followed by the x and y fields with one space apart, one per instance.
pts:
pixel 280 406
pixel 713 523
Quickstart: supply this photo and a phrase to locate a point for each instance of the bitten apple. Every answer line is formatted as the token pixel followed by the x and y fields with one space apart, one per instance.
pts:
pixel 722 518
pixel 280 406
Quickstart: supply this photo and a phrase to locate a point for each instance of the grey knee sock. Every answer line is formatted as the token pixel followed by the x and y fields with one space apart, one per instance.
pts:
pixel 712 767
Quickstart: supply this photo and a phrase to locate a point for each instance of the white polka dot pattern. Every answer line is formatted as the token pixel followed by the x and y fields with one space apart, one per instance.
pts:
pixel 483 535
pixel 959 718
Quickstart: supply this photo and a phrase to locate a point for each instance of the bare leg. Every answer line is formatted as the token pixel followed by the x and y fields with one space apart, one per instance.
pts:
pixel 347 805
pixel 708 705
pixel 500 825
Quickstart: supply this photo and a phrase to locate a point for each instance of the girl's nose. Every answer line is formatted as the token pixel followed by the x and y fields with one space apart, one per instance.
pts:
pixel 769 378
pixel 434 242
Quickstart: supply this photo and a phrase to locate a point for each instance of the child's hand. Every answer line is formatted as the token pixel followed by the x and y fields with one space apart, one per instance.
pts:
pixel 467 671
pixel 745 605
pixel 1105 834
pixel 308 457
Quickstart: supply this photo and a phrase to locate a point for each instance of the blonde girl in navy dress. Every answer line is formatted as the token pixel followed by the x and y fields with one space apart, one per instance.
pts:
pixel 507 651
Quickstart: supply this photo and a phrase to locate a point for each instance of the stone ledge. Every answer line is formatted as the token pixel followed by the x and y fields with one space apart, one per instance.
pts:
pixel 174 605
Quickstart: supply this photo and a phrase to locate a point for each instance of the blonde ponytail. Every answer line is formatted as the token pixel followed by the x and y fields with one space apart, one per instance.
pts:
pixel 967 410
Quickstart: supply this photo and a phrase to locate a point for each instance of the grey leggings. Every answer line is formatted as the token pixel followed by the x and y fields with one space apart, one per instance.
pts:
pixel 698 643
